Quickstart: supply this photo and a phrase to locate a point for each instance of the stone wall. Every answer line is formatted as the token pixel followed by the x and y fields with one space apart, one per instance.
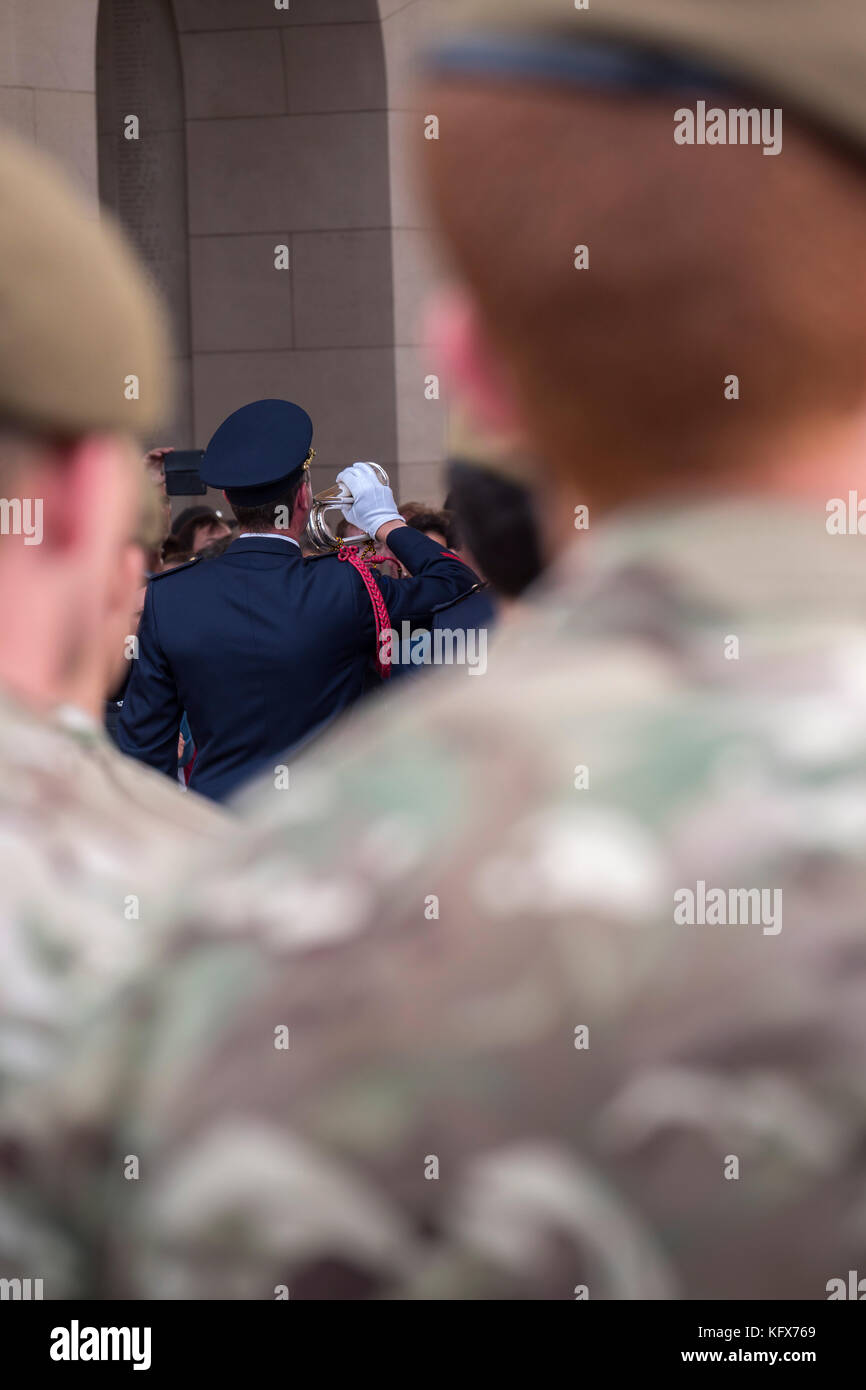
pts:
pixel 48 80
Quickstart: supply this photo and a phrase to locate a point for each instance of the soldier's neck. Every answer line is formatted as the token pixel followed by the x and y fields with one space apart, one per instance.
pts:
pixel 805 468
pixel 41 691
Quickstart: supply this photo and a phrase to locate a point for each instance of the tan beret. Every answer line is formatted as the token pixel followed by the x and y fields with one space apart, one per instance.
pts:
pixel 811 53
pixel 83 339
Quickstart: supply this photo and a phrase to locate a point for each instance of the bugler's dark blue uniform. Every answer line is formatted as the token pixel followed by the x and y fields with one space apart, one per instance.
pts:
pixel 260 646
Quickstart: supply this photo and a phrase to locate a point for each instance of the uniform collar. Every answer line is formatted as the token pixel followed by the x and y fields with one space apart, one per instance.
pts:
pixel 267 536
pixel 269 543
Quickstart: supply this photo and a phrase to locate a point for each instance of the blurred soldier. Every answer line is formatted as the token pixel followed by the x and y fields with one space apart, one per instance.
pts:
pixel 83 831
pixel 262 647
pixel 585 1015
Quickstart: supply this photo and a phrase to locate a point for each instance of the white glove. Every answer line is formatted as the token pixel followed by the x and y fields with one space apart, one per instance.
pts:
pixel 372 502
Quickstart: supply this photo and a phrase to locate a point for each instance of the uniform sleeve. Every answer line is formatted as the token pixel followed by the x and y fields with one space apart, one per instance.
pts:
pixel 151 714
pixel 438 579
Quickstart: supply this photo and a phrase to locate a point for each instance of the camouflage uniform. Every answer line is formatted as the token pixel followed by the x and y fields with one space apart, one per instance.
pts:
pixel 551 1088
pixel 86 837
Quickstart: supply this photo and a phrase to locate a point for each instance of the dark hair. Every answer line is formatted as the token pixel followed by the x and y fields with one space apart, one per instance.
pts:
pixel 173 553
pixel 215 548
pixel 185 537
pixel 497 524
pixel 409 509
pixel 198 513
pixel 440 521
pixel 264 517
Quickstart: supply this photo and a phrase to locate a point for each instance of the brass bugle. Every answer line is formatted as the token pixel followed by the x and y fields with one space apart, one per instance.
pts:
pixel 320 534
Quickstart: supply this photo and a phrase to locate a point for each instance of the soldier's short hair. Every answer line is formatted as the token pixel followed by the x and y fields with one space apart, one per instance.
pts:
pixel 703 261
pixel 270 514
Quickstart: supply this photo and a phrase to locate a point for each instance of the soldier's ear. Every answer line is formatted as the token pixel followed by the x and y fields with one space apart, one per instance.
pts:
pixel 474 371
pixel 88 491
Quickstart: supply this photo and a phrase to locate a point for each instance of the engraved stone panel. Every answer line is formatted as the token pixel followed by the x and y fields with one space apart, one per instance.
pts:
pixel 144 180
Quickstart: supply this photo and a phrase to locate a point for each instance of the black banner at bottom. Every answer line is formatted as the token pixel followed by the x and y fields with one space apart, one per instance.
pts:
pixel 160 1340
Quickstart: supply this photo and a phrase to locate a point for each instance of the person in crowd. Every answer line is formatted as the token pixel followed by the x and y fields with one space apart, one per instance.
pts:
pixel 567 1003
pixel 216 548
pixel 489 521
pixel 191 513
pixel 408 510
pixel 174 553
pixel 261 648
pixel 154 465
pixel 435 524
pixel 200 530
pixel 496 531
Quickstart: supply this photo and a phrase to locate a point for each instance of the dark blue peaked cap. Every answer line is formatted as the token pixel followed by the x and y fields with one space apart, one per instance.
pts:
pixel 258 451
